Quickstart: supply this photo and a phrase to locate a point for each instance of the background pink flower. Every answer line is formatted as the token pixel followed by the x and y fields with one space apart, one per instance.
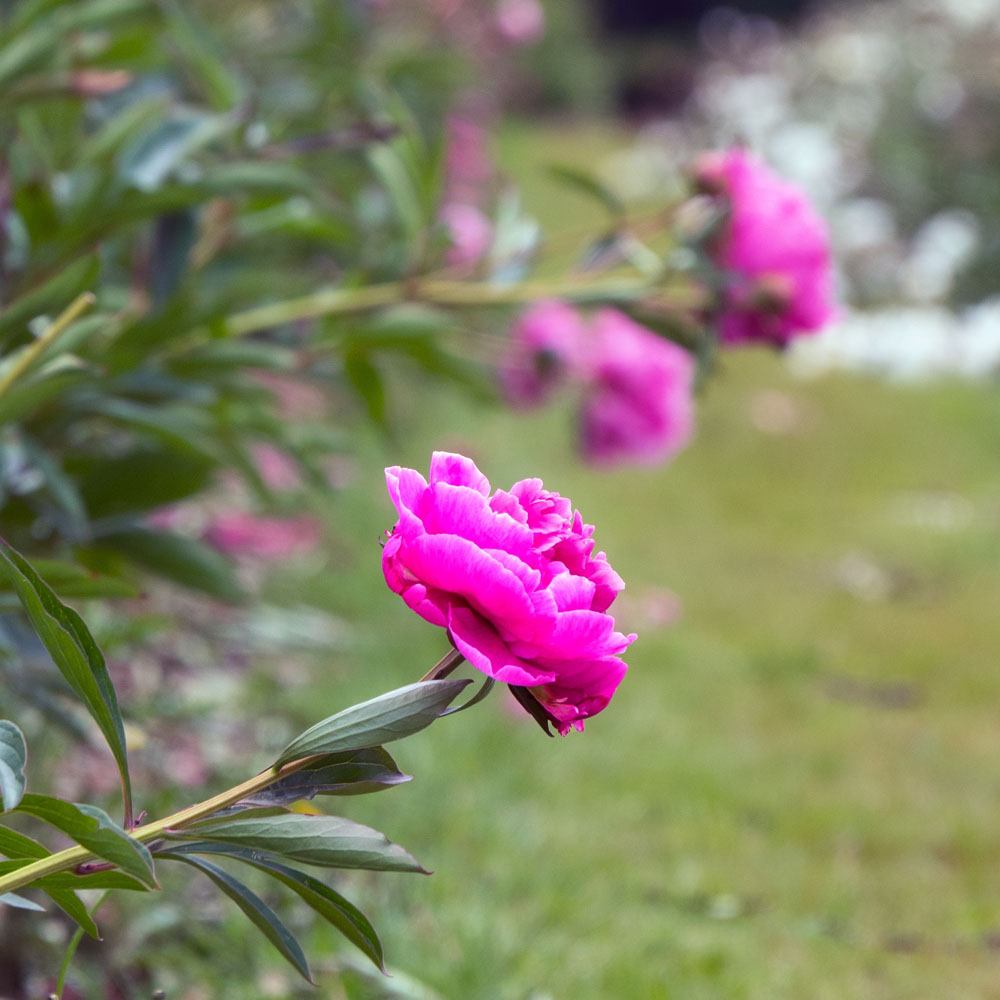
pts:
pixel 241 533
pixel 520 22
pixel 775 246
pixel 470 232
pixel 545 347
pixel 638 406
pixel 513 577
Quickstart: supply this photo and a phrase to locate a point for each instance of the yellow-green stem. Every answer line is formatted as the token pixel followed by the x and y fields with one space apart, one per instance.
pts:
pixel 440 292
pixel 28 356
pixel 74 856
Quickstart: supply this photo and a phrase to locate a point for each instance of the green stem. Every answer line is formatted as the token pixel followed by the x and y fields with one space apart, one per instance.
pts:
pixel 74 856
pixel 30 353
pixel 439 292
pixel 74 943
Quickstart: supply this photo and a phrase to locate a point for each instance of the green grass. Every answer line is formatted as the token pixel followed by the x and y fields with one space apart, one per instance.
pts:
pixel 794 791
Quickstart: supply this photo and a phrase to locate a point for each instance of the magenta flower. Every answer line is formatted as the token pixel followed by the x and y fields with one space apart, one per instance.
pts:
pixel 514 578
pixel 546 346
pixel 776 248
pixel 241 533
pixel 639 405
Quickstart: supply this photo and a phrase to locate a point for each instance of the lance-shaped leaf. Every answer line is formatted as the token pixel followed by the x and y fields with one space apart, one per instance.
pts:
pixel 388 717
pixel 13 754
pixel 93 829
pixel 12 899
pixel 263 917
pixel 74 652
pixel 324 841
pixel 74 908
pixel 17 845
pixel 327 902
pixel 355 772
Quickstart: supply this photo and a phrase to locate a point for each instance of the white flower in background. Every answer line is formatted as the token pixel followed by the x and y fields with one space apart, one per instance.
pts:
pixel 942 246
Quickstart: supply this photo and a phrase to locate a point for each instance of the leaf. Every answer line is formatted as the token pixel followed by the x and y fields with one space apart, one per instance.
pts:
pixel 150 159
pixel 12 899
pixel 261 915
pixel 356 772
pixel 13 755
pixel 588 184
pixel 388 717
pixel 328 903
pixel 184 560
pixel 141 480
pixel 17 845
pixel 74 652
pixel 54 293
pixel 367 381
pixel 93 829
pixel 74 908
pixel 324 841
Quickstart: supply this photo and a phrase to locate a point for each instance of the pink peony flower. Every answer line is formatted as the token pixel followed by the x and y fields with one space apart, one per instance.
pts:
pixel 514 578
pixel 546 346
pixel 241 533
pixel 520 22
pixel 470 232
pixel 639 404
pixel 776 248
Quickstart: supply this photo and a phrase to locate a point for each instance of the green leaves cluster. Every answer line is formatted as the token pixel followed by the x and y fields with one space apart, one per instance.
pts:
pixel 255 826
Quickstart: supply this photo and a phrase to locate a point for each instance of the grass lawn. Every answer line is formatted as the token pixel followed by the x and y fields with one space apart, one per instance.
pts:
pixel 794 793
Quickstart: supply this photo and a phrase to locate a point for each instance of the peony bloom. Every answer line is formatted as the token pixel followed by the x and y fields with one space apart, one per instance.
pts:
pixel 514 578
pixel 243 534
pixel 546 346
pixel 470 232
pixel 776 249
pixel 639 404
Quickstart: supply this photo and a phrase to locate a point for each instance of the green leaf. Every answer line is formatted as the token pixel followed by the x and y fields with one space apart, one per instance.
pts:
pixel 73 907
pixel 141 480
pixel 328 903
pixel 588 184
pixel 324 841
pixel 54 293
pixel 93 829
pixel 23 398
pixel 388 717
pixel 261 915
pixel 74 652
pixel 12 899
pixel 17 845
pixel 356 772
pixel 150 159
pixel 13 755
pixel 184 560
pixel 203 55
pixel 367 381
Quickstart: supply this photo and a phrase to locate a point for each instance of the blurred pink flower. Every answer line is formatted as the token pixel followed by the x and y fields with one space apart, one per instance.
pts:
pixel 775 246
pixel 244 534
pixel 470 232
pixel 638 405
pixel 514 578
pixel 520 22
pixel 277 468
pixel 468 167
pixel 545 347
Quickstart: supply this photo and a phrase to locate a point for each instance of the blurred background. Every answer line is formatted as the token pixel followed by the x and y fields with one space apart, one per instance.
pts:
pixel 794 790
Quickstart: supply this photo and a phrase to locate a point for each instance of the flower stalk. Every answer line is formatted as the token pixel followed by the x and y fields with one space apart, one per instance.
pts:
pixel 72 857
